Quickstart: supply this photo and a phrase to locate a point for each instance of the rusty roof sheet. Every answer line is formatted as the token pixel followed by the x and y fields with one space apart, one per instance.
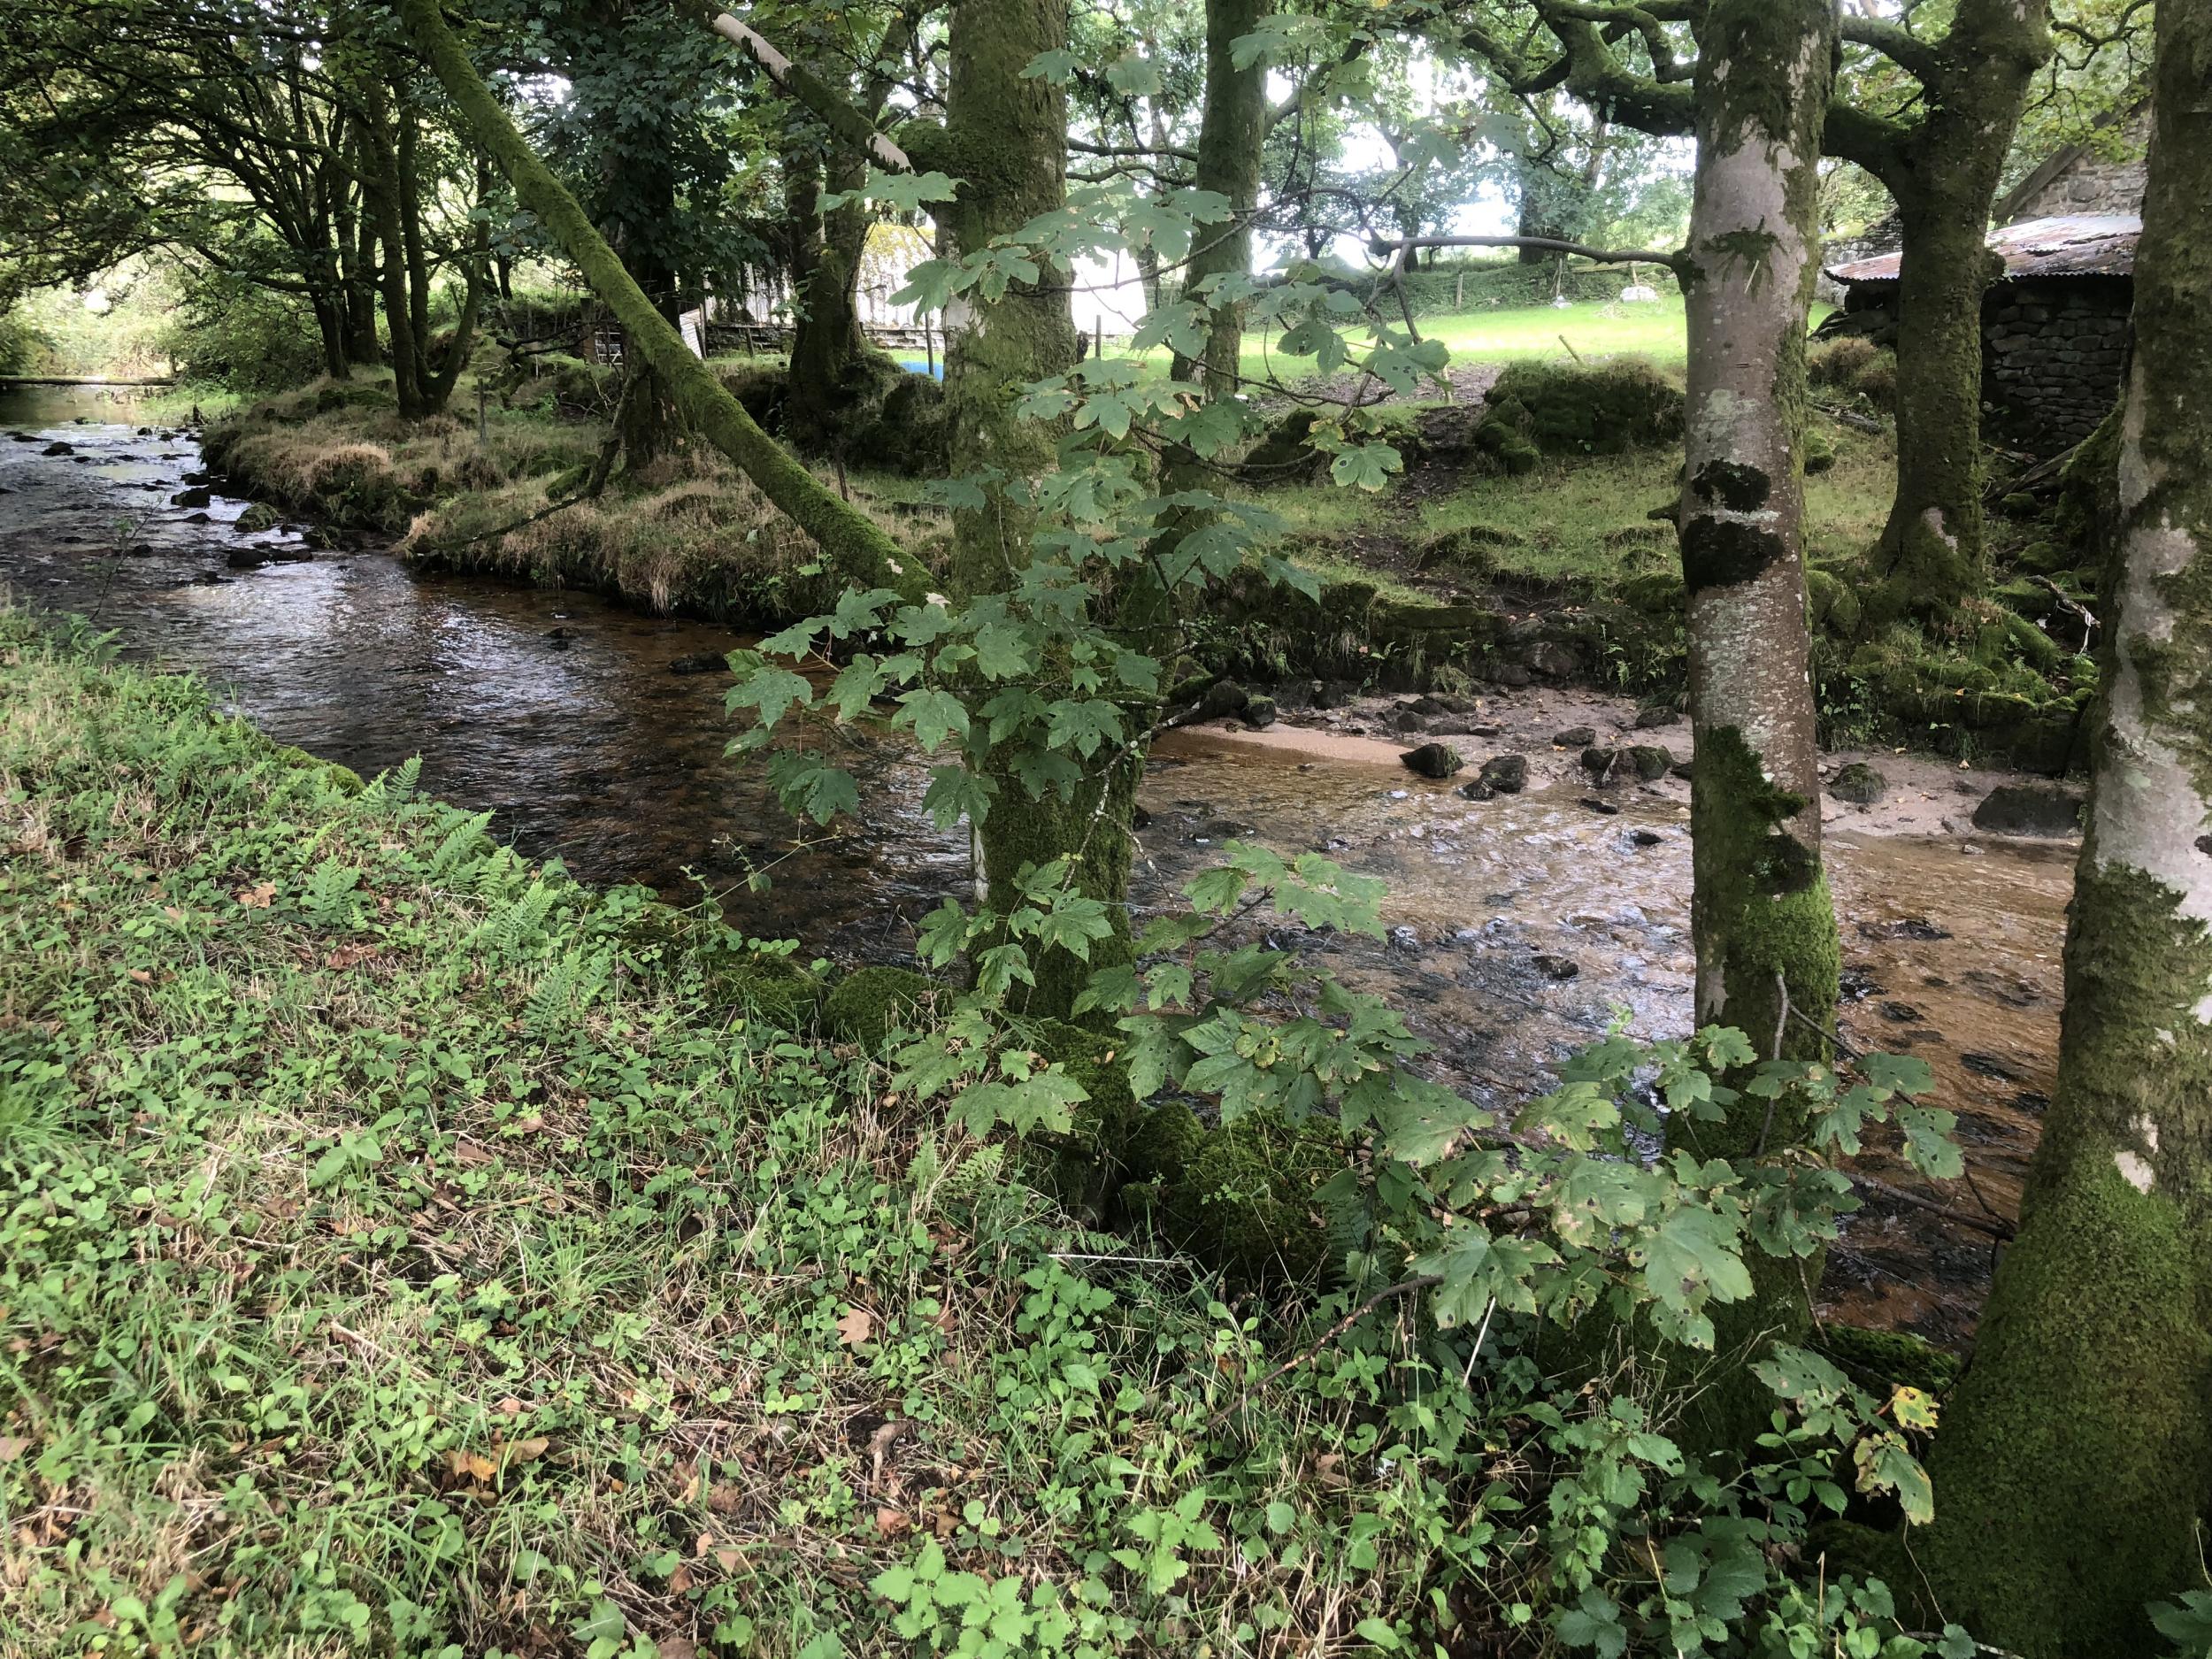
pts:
pixel 2078 244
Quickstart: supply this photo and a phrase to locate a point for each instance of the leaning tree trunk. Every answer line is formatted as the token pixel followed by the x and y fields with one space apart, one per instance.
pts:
pixel 863 555
pixel 2073 1473
pixel 1931 556
pixel 1763 927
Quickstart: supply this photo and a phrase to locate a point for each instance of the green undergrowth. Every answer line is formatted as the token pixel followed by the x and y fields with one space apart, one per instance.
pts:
pixel 408 1250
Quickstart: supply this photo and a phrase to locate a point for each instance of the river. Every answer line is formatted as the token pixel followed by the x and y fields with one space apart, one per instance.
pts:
pixel 1519 926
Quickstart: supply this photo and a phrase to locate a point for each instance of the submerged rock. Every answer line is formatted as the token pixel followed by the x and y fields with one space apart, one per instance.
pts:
pixel 2042 808
pixel 60 447
pixel 199 495
pixel 701 663
pixel 1433 760
pixel 247 559
pixel 1508 774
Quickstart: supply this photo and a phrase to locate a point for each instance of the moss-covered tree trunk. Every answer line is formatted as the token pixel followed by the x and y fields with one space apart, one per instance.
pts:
pixel 1005 139
pixel 1764 930
pixel 1931 556
pixel 2073 1474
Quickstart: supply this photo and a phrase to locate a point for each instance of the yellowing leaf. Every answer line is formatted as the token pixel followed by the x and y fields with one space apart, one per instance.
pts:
pixel 257 898
pixel 855 1327
pixel 890 1521
pixel 1911 1409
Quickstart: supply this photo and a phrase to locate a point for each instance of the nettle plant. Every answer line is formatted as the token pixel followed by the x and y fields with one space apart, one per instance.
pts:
pixel 1045 692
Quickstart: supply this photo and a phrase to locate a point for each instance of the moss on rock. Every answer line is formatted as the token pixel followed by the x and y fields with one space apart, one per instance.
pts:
pixel 1242 1197
pixel 866 1006
pixel 1602 408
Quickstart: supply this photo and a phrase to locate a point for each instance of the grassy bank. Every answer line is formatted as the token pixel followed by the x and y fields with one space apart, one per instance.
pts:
pixel 408 1250
pixel 1474 565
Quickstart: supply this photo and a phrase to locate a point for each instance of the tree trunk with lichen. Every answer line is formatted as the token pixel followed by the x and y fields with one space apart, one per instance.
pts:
pixel 1931 556
pixel 1762 923
pixel 1763 929
pixel 2072 1475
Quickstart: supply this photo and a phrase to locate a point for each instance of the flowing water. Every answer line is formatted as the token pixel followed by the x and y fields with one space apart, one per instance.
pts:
pixel 1518 927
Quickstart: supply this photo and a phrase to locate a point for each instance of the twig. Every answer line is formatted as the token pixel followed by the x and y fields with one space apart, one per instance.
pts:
pixel 1404 1287
pixel 1996 1226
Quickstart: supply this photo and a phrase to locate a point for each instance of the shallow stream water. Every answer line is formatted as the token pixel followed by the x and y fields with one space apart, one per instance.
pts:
pixel 1519 926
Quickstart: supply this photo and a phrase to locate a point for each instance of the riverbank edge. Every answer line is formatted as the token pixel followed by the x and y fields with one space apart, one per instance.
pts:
pixel 463 514
pixel 186 914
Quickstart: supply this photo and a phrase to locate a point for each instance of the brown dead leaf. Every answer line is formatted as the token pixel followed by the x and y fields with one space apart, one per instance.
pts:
pixel 890 1521
pixel 678 1581
pixel 855 1327
pixel 509 1407
pixel 523 1451
pixel 139 976
pixel 1328 1471
pixel 469 1152
pixel 676 1646
pixel 944 1522
pixel 12 1446
pixel 471 1465
pixel 723 1498
pixel 257 898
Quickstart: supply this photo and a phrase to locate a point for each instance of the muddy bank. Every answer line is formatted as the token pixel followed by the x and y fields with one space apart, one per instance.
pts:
pixel 1520 925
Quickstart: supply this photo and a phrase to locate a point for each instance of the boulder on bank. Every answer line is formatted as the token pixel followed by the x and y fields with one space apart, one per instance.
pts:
pixel 1859 784
pixel 2041 808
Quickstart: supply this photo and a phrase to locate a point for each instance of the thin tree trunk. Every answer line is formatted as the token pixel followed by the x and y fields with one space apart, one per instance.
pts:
pixel 1764 930
pixel 2071 1476
pixel 1006 137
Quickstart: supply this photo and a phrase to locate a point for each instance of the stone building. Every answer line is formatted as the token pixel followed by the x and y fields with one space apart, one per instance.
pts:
pixel 2055 325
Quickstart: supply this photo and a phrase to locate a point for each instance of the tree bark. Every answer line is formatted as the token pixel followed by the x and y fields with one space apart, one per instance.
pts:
pixel 1764 930
pixel 1944 176
pixel 1761 913
pixel 1231 137
pixel 2073 1472
pixel 1005 137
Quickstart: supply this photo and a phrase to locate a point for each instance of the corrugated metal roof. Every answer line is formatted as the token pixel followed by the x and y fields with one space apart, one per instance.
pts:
pixel 2079 244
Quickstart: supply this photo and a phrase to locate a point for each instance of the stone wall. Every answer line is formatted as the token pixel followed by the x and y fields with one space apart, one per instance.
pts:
pixel 2051 353
pixel 2092 181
